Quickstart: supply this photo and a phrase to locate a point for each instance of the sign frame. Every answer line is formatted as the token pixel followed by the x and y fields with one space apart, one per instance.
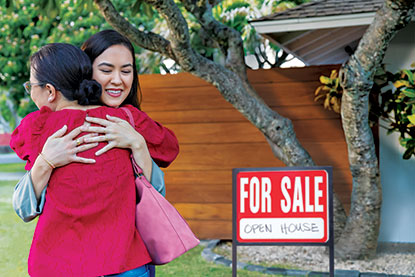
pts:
pixel 329 242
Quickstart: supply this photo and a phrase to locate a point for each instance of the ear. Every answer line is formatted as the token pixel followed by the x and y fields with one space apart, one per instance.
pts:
pixel 52 92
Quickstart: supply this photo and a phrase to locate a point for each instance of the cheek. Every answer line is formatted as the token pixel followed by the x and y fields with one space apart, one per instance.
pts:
pixel 129 81
pixel 100 78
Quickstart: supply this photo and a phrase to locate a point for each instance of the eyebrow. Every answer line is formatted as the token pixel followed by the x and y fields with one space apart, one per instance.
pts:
pixel 111 65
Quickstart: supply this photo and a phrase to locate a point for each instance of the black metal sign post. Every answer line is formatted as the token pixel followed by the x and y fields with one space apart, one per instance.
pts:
pixel 235 242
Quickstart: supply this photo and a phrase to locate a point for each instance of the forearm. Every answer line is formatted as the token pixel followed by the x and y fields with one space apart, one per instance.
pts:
pixel 40 173
pixel 25 204
pixel 142 157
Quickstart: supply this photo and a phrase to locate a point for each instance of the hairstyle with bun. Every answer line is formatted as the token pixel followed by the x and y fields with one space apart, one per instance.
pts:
pixel 69 70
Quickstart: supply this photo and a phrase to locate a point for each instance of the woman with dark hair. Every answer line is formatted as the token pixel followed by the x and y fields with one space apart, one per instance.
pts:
pixel 87 226
pixel 99 43
pixel 112 56
pixel 114 68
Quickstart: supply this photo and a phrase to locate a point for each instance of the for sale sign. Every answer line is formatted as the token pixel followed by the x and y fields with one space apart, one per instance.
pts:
pixel 282 205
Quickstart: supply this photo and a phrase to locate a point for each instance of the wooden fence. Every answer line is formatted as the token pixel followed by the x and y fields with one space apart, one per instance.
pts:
pixel 214 138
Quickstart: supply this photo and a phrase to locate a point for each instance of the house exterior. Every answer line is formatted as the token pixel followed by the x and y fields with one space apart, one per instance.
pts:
pixel 327 32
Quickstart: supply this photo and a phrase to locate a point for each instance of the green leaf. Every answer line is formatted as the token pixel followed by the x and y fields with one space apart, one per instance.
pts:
pixel 325 80
pixel 408 153
pixel 411 118
pixel 136 6
pixel 410 75
pixel 401 83
pixel 147 10
pixel 409 92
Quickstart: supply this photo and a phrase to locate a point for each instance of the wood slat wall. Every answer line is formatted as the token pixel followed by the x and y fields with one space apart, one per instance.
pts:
pixel 214 138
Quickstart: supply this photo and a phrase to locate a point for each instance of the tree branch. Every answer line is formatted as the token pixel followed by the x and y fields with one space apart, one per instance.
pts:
pixel 180 38
pixel 233 85
pixel 147 40
pixel 229 39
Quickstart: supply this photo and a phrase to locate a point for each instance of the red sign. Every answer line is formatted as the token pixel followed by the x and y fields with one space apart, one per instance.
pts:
pixel 282 206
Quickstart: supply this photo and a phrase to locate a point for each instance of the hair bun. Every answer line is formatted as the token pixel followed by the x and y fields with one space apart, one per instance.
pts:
pixel 89 92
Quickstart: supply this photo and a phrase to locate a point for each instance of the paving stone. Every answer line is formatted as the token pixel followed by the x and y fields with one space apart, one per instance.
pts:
pixel 257 268
pixel 208 255
pixel 241 265
pixel 211 244
pixel 346 273
pixel 295 272
pixel 275 271
pixel 318 274
pixel 223 261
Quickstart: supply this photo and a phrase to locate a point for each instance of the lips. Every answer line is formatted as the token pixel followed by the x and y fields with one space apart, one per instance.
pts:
pixel 114 92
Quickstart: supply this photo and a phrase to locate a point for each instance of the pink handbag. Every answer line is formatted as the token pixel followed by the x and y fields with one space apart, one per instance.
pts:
pixel 164 231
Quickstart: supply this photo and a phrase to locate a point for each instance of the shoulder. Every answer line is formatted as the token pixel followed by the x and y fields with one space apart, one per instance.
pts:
pixel 138 116
pixel 32 123
pixel 25 139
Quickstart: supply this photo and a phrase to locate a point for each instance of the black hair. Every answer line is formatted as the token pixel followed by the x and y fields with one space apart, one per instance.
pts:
pixel 103 40
pixel 69 70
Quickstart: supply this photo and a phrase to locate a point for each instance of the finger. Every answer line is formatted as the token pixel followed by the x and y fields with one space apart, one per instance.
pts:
pixel 59 133
pixel 115 119
pixel 104 149
pixel 83 160
pixel 90 135
pixel 94 129
pixel 98 139
pixel 96 120
pixel 85 147
pixel 74 133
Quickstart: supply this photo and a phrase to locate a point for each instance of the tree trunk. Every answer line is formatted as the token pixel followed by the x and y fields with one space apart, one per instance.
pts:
pixel 359 239
pixel 234 86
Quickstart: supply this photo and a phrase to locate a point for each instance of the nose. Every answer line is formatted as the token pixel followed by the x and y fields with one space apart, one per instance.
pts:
pixel 116 78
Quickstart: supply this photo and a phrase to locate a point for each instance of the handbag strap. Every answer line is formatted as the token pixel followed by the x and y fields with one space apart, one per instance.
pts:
pixel 137 169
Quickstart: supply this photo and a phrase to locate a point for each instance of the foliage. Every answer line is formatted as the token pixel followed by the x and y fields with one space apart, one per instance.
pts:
pixel 237 14
pixel 396 105
pixel 331 91
pixel 400 103
pixel 25 26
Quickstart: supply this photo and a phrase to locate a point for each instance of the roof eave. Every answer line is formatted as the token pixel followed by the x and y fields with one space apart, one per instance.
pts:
pixel 311 23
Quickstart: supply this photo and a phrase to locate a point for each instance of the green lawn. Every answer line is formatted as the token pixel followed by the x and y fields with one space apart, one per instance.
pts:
pixel 16 236
pixel 16 167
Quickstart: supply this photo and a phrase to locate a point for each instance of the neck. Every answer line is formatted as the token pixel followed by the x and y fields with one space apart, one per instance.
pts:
pixel 66 104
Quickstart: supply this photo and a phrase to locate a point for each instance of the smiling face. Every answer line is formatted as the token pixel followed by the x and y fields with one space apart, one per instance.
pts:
pixel 113 69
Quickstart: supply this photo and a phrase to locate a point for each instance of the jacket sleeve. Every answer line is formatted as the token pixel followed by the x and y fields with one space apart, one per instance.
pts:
pixel 157 179
pixel 24 199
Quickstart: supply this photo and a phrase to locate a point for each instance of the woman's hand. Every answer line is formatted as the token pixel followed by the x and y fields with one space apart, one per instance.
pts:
pixel 61 149
pixel 58 150
pixel 120 134
pixel 117 132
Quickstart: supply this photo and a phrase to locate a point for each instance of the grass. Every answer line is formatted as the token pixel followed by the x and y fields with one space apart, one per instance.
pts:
pixel 16 237
pixel 192 264
pixel 15 167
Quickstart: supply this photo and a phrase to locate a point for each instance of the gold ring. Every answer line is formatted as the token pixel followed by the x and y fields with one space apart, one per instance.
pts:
pixel 78 142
